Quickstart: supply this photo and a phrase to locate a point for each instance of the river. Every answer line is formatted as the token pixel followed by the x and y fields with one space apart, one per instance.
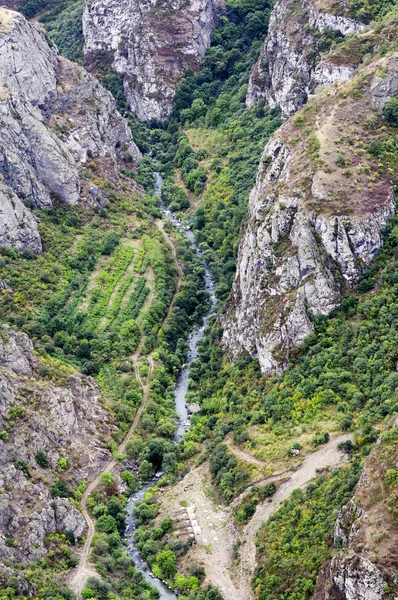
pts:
pixel 180 392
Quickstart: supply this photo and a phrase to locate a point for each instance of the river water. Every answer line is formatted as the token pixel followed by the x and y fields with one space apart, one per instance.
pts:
pixel 180 392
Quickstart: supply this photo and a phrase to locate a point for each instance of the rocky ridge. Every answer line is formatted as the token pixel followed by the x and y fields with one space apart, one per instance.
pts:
pixel 366 529
pixel 65 420
pixel 316 216
pixel 55 118
pixel 150 43
pixel 290 67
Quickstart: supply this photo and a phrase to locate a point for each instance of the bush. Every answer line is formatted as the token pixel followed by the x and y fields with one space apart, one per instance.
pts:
pixel 42 459
pixel 390 112
pixel 106 523
pixel 60 489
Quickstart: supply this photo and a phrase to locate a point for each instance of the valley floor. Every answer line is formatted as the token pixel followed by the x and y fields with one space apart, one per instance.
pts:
pixel 215 543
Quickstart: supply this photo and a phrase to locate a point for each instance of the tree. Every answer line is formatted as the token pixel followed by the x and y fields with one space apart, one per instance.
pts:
pixel 107 478
pixel 106 523
pixel 166 562
pixel 390 112
pixel 42 459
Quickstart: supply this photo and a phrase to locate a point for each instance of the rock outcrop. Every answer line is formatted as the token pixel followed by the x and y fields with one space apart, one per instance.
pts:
pixel 65 420
pixel 18 227
pixel 366 529
pixel 289 68
pixel 150 44
pixel 316 217
pixel 55 117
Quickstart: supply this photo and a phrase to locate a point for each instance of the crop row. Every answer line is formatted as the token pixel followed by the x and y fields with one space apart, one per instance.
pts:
pixel 107 281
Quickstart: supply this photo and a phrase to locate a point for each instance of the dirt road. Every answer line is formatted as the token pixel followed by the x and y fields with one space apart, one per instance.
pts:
pixel 218 533
pixel 79 575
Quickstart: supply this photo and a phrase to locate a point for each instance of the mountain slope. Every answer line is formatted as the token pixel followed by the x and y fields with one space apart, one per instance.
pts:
pixel 151 44
pixel 316 215
pixel 55 119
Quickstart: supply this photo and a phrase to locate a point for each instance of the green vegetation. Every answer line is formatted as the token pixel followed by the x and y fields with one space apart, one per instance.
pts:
pixel 63 22
pixel 163 556
pixel 391 113
pixel 244 511
pixel 368 10
pixel 229 478
pixel 210 108
pixel 293 544
pixel 102 290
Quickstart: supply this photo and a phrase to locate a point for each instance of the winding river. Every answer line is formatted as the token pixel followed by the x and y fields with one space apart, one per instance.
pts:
pixel 180 392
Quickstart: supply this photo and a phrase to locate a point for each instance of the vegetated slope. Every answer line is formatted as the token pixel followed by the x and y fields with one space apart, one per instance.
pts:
pixel 208 152
pixel 344 376
pixel 54 432
pixel 291 64
pixel 62 20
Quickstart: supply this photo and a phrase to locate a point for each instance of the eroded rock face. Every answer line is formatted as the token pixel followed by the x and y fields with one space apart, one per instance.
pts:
pixel 310 230
pixel 354 577
pixel 18 227
pixel 366 531
pixel 55 117
pixel 287 71
pixel 151 43
pixel 62 419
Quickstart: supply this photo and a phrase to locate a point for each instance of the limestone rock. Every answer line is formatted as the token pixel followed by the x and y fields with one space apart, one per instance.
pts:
pixel 366 566
pixel 354 577
pixel 55 118
pixel 151 43
pixel 310 232
pixel 64 420
pixel 16 352
pixel 286 73
pixel 18 227
pixel 347 520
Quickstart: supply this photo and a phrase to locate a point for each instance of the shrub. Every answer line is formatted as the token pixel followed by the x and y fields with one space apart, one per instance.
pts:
pixel 390 113
pixel 42 459
pixel 391 477
pixel 107 478
pixel 60 489
pixel 106 523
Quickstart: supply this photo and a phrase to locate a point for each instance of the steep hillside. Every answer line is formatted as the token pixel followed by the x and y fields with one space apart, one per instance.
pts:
pixel 316 214
pixel 102 298
pixel 56 120
pixel 291 63
pixel 366 530
pixel 54 432
pixel 151 44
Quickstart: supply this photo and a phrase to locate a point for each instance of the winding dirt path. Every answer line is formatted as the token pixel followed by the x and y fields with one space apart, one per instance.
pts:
pixel 77 578
pixel 79 575
pixel 327 456
pixel 218 534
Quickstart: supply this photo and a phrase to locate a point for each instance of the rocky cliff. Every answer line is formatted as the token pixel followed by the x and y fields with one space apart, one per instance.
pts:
pixel 292 64
pixel 316 216
pixel 55 118
pixel 367 529
pixel 150 43
pixel 62 418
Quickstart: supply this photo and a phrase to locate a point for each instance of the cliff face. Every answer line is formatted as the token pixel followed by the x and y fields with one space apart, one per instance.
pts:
pixel 367 530
pixel 55 117
pixel 150 43
pixel 64 420
pixel 316 216
pixel 290 68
